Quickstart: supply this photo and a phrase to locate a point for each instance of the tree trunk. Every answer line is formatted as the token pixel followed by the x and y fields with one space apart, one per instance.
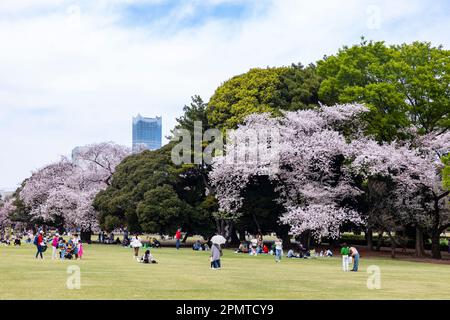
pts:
pixel 435 245
pixel 419 250
pixel 186 236
pixel 224 228
pixel 369 238
pixel 308 240
pixel 393 245
pixel 86 236
pixel 241 235
pixel 258 227
pixel 234 237
pixel 380 240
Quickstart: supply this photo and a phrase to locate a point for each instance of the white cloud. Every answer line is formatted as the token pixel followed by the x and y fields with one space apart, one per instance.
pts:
pixel 92 74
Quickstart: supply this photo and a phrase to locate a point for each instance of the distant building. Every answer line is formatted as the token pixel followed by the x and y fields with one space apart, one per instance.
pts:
pixel 147 133
pixel 76 154
pixel 5 194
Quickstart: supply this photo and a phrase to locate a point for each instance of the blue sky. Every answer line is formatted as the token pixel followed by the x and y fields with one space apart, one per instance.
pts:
pixel 74 72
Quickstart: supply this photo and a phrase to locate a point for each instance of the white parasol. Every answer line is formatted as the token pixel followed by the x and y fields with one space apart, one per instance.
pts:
pixel 218 239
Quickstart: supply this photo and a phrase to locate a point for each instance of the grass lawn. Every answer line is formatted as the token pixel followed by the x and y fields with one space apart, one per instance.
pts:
pixel 110 272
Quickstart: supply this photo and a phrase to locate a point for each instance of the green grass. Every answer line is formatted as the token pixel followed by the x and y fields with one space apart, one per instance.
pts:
pixel 110 272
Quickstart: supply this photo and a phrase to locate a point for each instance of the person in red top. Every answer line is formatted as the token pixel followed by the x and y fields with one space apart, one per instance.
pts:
pixel 39 242
pixel 178 238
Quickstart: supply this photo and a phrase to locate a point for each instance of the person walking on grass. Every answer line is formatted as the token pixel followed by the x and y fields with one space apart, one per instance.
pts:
pixel 345 250
pixel 278 250
pixel 136 244
pixel 216 253
pixel 178 238
pixel 55 243
pixel 355 255
pixel 39 242
pixel 80 249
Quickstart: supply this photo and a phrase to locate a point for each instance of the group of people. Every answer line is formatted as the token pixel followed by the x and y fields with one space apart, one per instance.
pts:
pixel 200 246
pixel 136 244
pixel 15 240
pixel 349 255
pixel 256 247
pixel 61 249
pixel 310 254
pixel 73 249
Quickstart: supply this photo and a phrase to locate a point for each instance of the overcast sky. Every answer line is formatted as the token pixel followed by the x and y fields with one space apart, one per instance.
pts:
pixel 75 72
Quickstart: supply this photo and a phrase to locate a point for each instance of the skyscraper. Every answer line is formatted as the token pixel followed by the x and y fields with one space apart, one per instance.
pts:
pixel 147 132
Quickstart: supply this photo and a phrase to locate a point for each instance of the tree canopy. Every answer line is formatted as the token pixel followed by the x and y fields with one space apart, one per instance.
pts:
pixel 403 85
pixel 263 90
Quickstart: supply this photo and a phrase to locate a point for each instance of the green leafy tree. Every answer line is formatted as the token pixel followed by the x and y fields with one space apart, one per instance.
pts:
pixel 263 90
pixel 149 193
pixel 446 172
pixel 402 85
pixel 162 211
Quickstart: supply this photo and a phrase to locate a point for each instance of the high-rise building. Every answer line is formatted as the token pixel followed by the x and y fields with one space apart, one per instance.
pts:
pixel 147 133
pixel 5 194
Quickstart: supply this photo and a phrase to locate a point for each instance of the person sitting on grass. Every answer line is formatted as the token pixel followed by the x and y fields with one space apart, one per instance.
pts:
pixel 328 253
pixel 147 258
pixel 155 243
pixel 242 248
pixel 265 249
pixel 197 246
pixel 291 254
pixel 259 249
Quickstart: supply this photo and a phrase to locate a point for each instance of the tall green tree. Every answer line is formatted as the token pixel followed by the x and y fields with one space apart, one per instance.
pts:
pixel 402 85
pixel 446 172
pixel 263 90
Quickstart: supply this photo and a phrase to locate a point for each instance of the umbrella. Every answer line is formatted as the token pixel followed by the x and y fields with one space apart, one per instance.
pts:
pixel 218 239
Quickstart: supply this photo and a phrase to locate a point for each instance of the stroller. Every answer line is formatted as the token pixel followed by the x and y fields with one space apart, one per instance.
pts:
pixel 69 252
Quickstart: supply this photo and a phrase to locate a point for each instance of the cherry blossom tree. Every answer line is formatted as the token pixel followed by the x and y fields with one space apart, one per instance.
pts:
pixel 6 208
pixel 315 186
pixel 320 154
pixel 100 160
pixel 65 190
pixel 415 171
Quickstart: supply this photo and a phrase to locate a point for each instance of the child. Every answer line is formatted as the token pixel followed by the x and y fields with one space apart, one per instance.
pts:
pixel 278 250
pixel 136 244
pixel 148 258
pixel 62 249
pixel 80 249
pixel 55 245
pixel 344 252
